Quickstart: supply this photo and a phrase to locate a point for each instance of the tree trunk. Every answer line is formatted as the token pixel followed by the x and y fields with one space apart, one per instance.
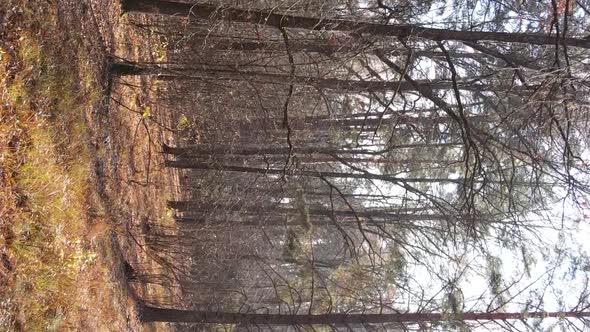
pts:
pixel 153 314
pixel 320 45
pixel 279 159
pixel 299 123
pixel 203 72
pixel 192 164
pixel 207 150
pixel 406 220
pixel 209 11
pixel 379 215
pixel 189 164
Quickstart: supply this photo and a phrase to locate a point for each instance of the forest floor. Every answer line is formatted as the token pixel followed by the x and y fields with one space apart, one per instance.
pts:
pixel 80 172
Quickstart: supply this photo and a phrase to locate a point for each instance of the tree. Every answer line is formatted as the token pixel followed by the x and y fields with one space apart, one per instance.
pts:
pixel 152 314
pixel 205 11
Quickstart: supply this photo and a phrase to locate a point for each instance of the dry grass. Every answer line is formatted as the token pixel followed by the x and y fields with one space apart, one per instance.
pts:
pixel 49 269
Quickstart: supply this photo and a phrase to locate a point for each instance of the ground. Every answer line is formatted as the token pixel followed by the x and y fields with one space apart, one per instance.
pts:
pixel 80 168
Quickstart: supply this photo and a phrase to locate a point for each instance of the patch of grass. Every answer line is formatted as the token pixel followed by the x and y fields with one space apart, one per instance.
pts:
pixel 44 171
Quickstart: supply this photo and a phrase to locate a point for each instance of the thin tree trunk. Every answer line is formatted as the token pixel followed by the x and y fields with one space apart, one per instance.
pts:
pixel 326 159
pixel 192 164
pixel 209 11
pixel 399 220
pixel 189 164
pixel 320 45
pixel 377 214
pixel 350 123
pixel 153 314
pixel 204 150
pixel 200 73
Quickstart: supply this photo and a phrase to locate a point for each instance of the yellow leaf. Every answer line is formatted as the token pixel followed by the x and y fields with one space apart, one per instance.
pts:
pixel 183 122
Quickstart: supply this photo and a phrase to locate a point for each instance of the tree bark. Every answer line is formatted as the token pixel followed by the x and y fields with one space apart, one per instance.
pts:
pixel 323 46
pixel 192 164
pixel 208 11
pixel 359 122
pixel 199 73
pixel 391 215
pixel 303 159
pixel 189 164
pixel 153 314
pixel 205 150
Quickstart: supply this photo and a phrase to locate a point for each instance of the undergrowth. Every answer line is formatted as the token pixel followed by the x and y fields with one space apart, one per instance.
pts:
pixel 44 169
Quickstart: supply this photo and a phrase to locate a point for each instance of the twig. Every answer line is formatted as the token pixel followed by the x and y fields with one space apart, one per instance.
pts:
pixel 288 99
